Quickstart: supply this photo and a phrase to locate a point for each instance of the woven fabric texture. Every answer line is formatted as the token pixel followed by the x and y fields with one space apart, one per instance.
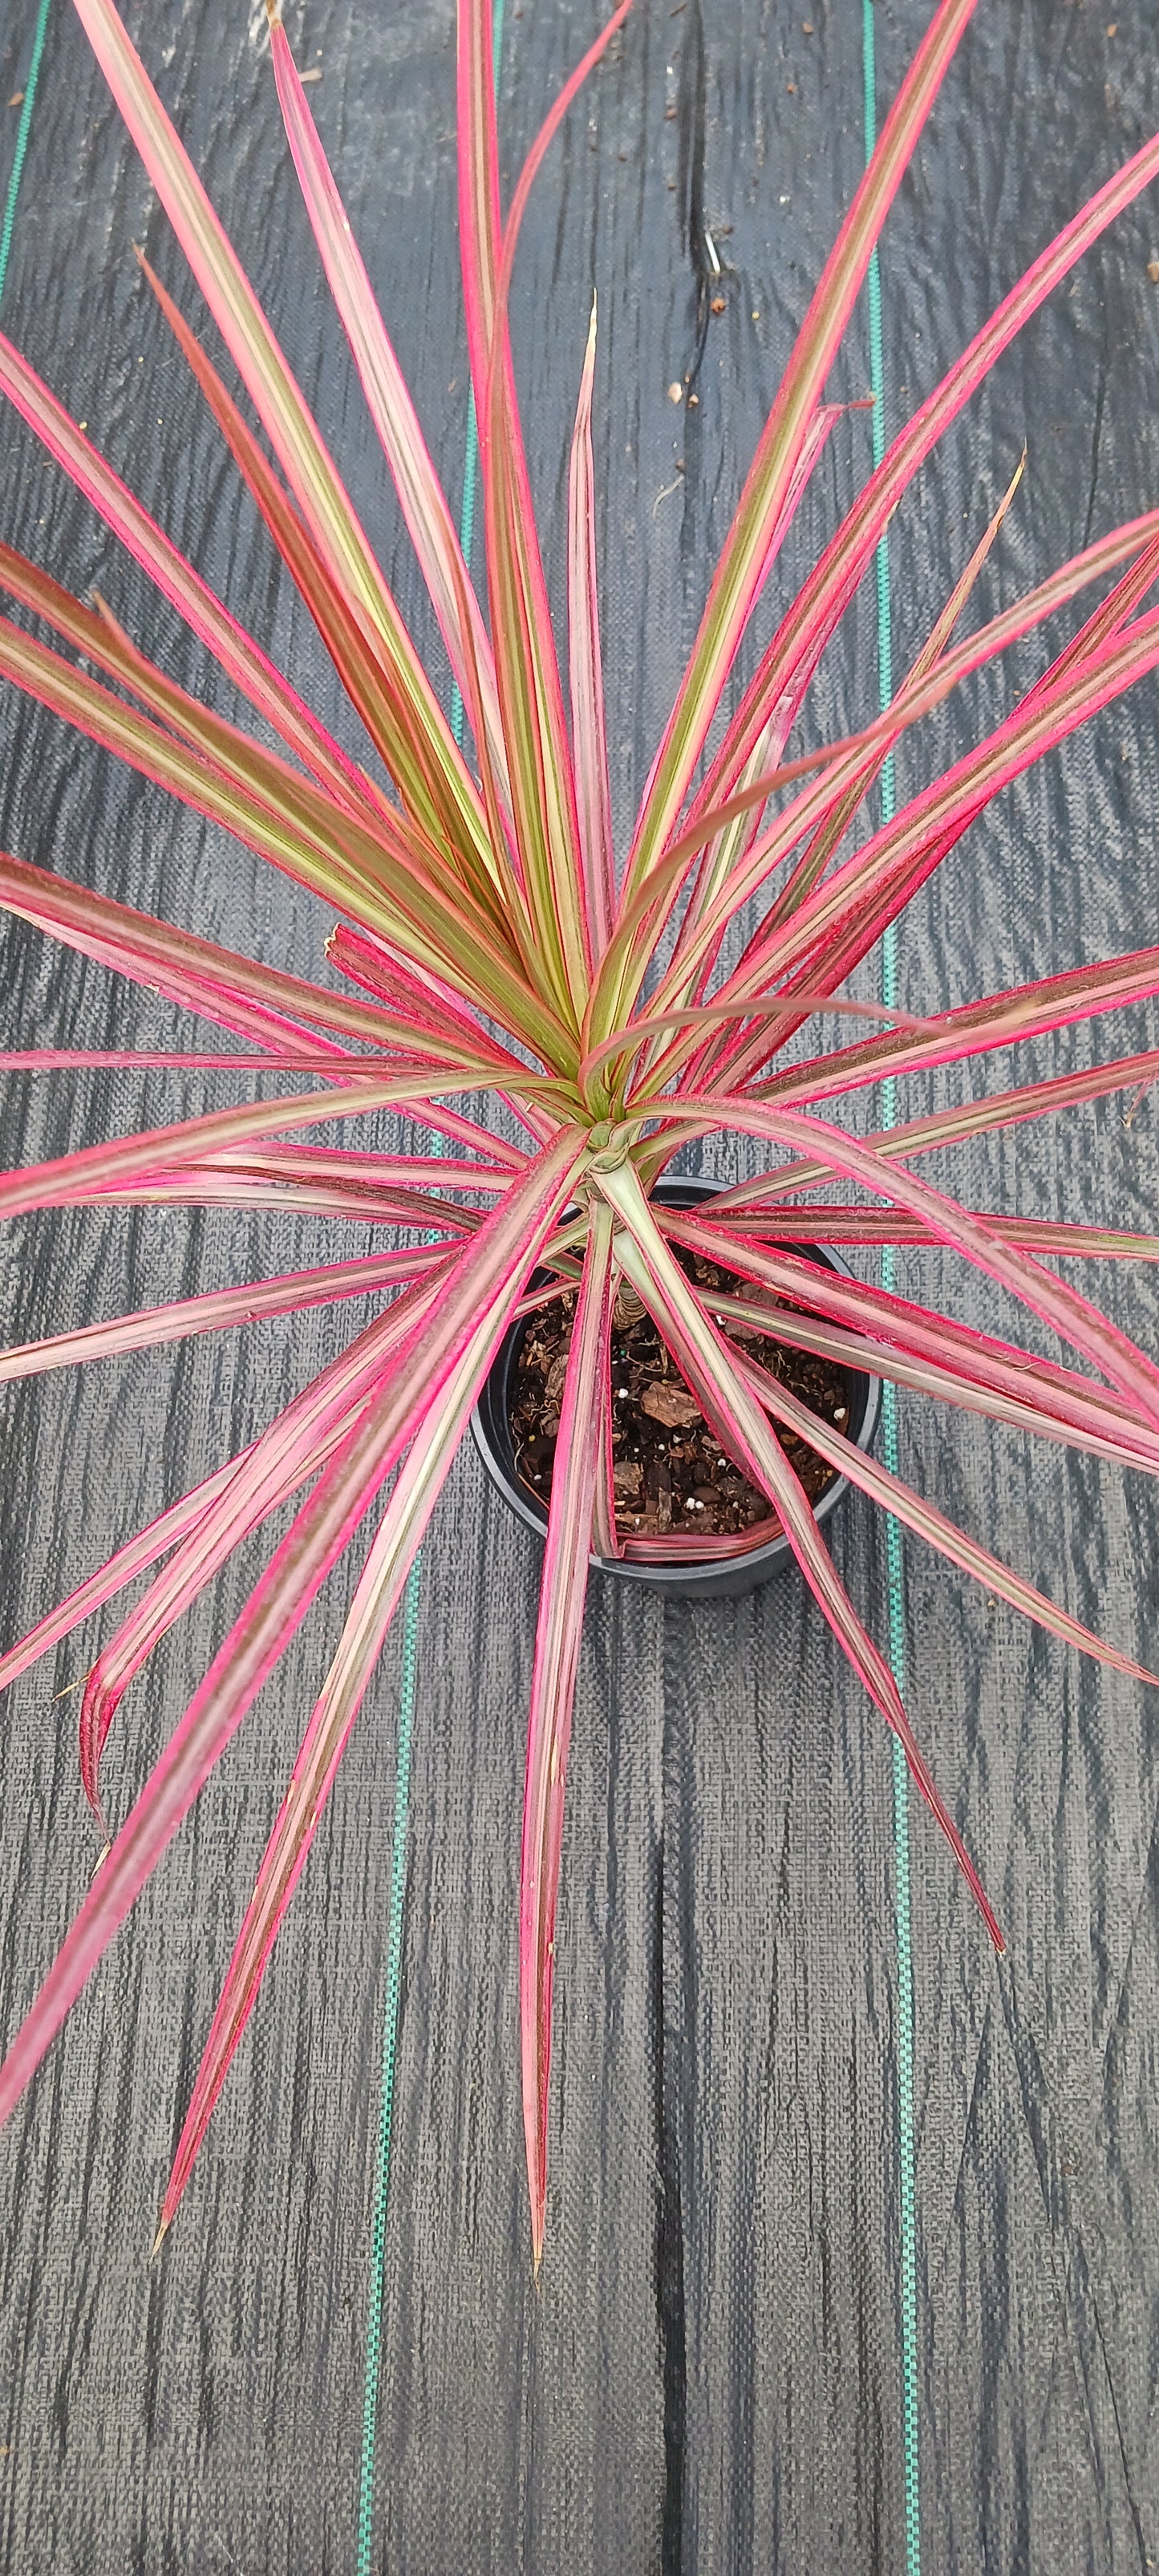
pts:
pixel 707 2379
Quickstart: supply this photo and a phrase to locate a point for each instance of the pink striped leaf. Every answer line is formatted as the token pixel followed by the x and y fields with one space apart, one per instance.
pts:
pixel 841 763
pixel 51 1184
pixel 1002 1019
pixel 836 1222
pixel 436 917
pixel 743 822
pixel 542 783
pixel 204 1185
pixel 954 1126
pixel 996 1389
pixel 709 1367
pixel 543 787
pixel 142 1060
pixel 430 801
pixel 392 1553
pixel 588 729
pixel 415 1346
pixel 563 1592
pixel 275 1610
pixel 258 1002
pixel 1092 564
pixel 897 1498
pixel 738 1061
pixel 268 692
pixel 813 615
pixel 700 1017
pixel 448 812
pixel 1073 1403
pixel 733 1060
pixel 425 739
pixel 421 497
pixel 642 920
pixel 417 1003
pixel 490 1163
pixel 741 565
pixel 923 1350
pixel 1053 1300
pixel 375 831
pixel 480 217
pixel 135 1560
pixel 854 941
pixel 882 1314
pixel 606 1540
pixel 414 1173
pixel 890 855
pixel 295 1447
pixel 218 1309
pixel 118 1571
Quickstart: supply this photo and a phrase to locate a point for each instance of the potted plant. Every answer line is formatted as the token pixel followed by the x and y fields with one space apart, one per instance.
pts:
pixel 491 947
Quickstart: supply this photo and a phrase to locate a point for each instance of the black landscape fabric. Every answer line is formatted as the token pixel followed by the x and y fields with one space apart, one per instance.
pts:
pixel 707 2379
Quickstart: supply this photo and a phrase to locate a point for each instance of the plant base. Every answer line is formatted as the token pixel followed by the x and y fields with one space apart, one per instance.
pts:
pixel 679 1576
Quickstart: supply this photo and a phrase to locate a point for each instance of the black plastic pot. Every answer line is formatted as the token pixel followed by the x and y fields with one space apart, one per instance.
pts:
pixel 716 1578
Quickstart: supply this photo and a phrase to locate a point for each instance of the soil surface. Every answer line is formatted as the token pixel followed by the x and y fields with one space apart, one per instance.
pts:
pixel 670 1472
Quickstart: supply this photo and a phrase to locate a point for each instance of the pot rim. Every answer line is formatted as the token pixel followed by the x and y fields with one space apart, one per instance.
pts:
pixel 705 1577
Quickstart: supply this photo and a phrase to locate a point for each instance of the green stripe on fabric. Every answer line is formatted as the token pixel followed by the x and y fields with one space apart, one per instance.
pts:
pixel 410 1621
pixel 394 1938
pixel 895 1556
pixel 23 131
pixel 407 1694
